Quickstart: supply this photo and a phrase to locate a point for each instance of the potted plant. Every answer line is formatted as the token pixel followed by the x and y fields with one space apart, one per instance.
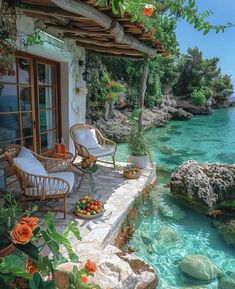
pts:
pixel 139 153
pixel 36 264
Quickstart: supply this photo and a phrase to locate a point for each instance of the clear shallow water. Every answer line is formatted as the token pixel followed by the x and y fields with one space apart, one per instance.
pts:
pixel 164 241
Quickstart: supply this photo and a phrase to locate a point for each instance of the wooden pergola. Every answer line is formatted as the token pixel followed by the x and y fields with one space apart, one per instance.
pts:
pixel 95 28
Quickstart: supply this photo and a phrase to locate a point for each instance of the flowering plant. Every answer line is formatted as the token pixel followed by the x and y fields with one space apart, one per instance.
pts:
pixel 29 267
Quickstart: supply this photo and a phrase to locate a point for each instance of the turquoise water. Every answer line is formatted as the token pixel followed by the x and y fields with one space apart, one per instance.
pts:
pixel 164 240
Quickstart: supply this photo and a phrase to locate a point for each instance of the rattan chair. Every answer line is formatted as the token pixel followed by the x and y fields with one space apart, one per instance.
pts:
pixel 36 187
pixel 100 146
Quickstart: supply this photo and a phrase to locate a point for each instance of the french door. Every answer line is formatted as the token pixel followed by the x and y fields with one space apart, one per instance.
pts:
pixel 29 106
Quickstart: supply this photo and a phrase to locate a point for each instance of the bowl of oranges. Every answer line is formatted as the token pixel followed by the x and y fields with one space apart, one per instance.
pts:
pixel 89 208
pixel 131 173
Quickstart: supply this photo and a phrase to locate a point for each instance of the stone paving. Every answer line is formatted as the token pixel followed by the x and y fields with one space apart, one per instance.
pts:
pixel 118 195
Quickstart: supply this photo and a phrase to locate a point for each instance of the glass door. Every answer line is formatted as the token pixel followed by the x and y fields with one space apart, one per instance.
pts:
pixel 29 104
pixel 17 112
pixel 47 105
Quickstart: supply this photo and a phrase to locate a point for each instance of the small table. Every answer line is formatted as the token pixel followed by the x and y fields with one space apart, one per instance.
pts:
pixel 66 158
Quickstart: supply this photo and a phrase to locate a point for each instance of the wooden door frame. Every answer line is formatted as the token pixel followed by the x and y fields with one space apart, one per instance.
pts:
pixel 34 60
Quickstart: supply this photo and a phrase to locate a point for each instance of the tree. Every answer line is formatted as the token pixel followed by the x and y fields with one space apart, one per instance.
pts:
pixel 195 72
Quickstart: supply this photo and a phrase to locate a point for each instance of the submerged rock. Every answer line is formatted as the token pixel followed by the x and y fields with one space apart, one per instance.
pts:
pixel 199 267
pixel 206 183
pixel 227 230
pixel 167 235
pixel 228 281
pixel 171 211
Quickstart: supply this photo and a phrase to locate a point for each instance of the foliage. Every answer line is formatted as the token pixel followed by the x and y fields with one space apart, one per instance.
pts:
pixel 29 265
pixel 34 39
pixel 168 12
pixel 200 78
pixel 136 140
pixel 9 213
pixel 222 87
pixel 113 90
pixel 137 143
pixel 201 95
pixel 102 86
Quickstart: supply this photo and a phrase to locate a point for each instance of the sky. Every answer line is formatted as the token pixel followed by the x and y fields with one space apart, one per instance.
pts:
pixel 221 45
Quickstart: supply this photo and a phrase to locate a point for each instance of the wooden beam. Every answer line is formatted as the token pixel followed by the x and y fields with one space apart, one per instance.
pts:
pixel 111 50
pixel 81 8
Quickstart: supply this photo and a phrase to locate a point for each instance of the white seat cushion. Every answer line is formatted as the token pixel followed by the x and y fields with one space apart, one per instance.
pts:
pixel 52 187
pixel 66 176
pixel 100 152
pixel 87 138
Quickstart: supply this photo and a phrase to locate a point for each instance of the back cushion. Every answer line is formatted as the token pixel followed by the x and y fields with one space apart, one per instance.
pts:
pixel 87 138
pixel 25 153
pixel 31 166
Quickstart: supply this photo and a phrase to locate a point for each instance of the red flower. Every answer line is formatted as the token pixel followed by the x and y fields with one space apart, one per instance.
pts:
pixel 90 266
pixel 84 279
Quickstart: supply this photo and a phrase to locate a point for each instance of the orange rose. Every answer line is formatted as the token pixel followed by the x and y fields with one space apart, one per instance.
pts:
pixel 21 234
pixel 30 267
pixel 90 266
pixel 32 222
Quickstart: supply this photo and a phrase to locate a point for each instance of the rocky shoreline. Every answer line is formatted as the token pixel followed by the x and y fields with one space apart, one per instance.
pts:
pixel 170 108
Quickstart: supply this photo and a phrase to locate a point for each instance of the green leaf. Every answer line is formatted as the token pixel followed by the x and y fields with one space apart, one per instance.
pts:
pixel 52 244
pixel 29 249
pixel 50 285
pixel 64 241
pixel 49 221
pixel 14 264
pixel 36 282
pixel 74 229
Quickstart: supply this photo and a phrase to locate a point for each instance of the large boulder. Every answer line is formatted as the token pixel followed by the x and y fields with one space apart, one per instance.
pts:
pixel 227 281
pixel 199 267
pixel 180 114
pixel 194 109
pixel 206 183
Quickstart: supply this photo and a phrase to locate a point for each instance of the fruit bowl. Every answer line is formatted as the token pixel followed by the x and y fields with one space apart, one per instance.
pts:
pixel 131 173
pixel 89 208
pixel 88 162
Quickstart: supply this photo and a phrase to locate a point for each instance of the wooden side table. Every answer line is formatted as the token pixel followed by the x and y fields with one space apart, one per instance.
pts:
pixel 65 158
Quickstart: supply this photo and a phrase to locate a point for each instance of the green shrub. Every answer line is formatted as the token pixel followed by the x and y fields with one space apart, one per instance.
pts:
pixel 198 97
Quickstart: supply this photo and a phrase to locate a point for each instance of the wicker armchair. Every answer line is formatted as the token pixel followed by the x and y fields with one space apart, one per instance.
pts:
pixel 40 187
pixel 88 141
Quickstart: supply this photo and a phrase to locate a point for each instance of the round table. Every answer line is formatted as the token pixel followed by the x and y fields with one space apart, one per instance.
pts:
pixel 66 158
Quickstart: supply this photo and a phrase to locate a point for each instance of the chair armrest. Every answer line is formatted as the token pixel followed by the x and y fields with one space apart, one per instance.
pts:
pixel 109 143
pixel 52 164
pixel 81 150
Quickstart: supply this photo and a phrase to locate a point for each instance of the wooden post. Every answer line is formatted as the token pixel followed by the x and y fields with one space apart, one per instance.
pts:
pixel 142 91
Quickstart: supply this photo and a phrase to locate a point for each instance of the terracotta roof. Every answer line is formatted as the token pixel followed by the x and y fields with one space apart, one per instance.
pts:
pixel 91 34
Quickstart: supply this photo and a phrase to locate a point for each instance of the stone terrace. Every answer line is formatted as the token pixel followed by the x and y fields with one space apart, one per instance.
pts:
pixel 118 195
